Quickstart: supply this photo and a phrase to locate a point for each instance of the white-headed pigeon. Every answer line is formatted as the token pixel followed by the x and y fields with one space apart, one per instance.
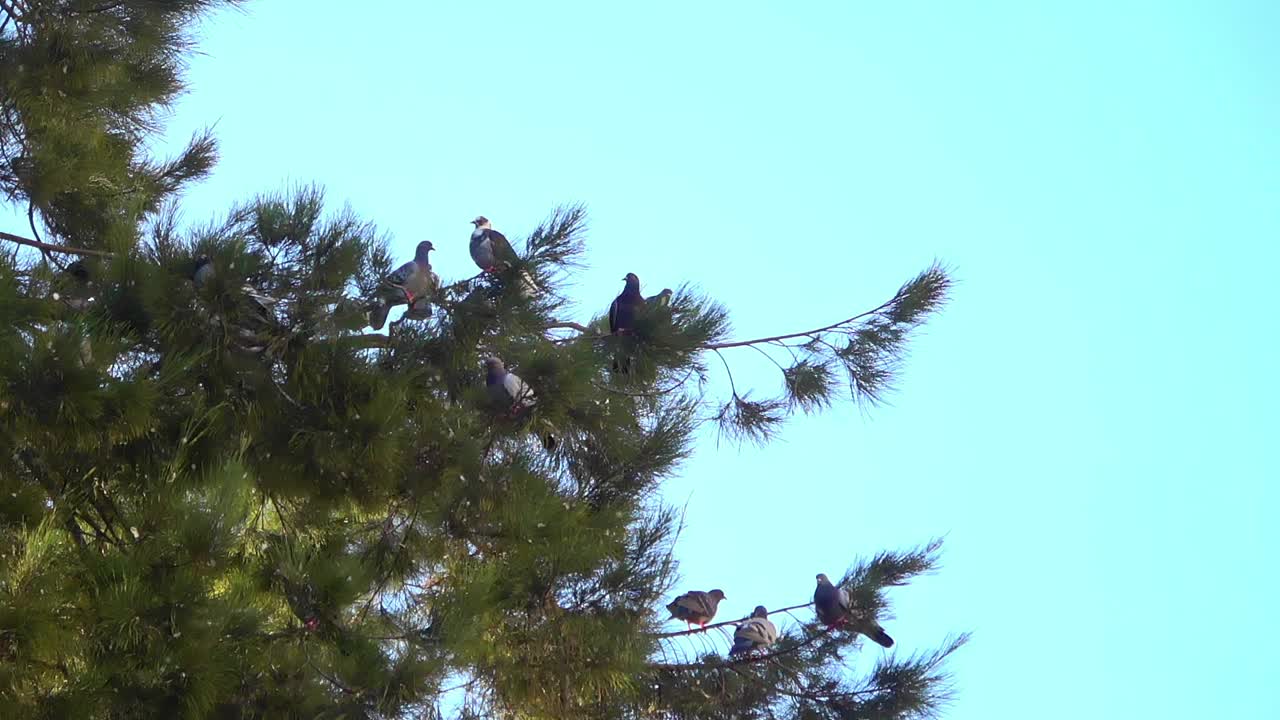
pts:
pixel 625 307
pixel 493 253
pixel 413 283
pixel 833 608
pixel 662 299
pixel 696 606
pixel 489 248
pixel 756 633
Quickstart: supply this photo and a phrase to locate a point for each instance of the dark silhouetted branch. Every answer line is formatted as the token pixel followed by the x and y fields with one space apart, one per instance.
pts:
pixel 52 248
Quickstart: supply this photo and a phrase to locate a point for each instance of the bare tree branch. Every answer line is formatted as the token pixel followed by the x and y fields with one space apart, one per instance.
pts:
pixel 52 248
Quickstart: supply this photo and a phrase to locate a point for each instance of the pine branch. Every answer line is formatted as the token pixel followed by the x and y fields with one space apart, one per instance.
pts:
pixel 934 275
pixel 52 248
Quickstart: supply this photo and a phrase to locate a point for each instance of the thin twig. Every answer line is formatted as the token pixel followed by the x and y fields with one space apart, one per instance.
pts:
pixel 732 387
pixel 806 333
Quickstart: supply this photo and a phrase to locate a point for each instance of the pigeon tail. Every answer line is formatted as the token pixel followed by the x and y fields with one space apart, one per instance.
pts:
pixel 741 646
pixel 528 288
pixel 881 637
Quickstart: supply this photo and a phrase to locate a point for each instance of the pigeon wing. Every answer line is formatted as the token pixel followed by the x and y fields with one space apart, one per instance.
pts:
pixel 502 249
pixel 403 274
pixel 696 603
pixel 842 597
pixel 518 390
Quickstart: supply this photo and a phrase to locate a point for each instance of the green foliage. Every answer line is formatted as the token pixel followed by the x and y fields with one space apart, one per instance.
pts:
pixel 224 500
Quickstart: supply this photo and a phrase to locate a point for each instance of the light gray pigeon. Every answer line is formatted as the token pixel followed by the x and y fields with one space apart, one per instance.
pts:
pixel 834 609
pixel 414 283
pixel 696 606
pixel 756 633
pixel 506 389
pixel 493 253
pixel 662 299
pixel 515 397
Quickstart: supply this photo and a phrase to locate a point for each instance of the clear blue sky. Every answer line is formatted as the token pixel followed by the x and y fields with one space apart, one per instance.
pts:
pixel 1086 421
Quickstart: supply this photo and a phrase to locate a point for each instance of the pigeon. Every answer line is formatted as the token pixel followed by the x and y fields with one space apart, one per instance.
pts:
pixel 696 606
pixel 203 273
pixel 625 307
pixel 492 253
pixel 507 389
pixel 662 299
pixel 75 287
pixel 833 608
pixel 755 634
pixel 489 248
pixel 413 282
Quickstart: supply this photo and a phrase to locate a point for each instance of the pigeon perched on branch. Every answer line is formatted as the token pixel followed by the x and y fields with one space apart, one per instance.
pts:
pixel 622 318
pixel 506 389
pixel 834 609
pixel 493 254
pixel 203 273
pixel 756 633
pixel 696 606
pixel 662 299
pixel 625 307
pixel 413 283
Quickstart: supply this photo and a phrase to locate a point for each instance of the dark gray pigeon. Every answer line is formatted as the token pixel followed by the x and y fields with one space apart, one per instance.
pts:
pixel 833 608
pixel 493 253
pixel 696 606
pixel 625 307
pixel 202 273
pixel 413 283
pixel 74 287
pixel 756 633
pixel 662 299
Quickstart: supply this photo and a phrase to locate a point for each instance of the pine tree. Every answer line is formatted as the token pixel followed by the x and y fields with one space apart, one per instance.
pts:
pixel 221 498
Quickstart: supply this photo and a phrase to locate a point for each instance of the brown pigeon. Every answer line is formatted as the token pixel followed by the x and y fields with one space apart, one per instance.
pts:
pixel 757 633
pixel 696 606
